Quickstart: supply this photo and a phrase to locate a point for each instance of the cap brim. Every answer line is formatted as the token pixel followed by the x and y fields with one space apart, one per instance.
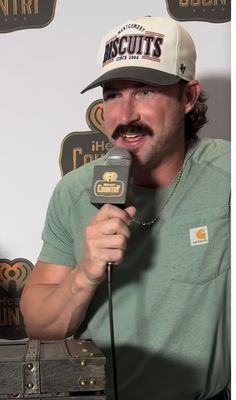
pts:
pixel 138 74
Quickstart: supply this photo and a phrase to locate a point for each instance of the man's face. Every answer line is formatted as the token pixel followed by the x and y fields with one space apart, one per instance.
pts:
pixel 146 120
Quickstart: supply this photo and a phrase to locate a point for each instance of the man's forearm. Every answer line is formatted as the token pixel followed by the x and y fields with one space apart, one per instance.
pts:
pixel 55 311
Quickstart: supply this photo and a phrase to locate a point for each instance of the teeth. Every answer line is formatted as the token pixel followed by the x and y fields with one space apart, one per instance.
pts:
pixel 131 136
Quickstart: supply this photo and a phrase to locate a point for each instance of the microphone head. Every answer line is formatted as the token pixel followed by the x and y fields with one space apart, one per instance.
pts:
pixel 118 156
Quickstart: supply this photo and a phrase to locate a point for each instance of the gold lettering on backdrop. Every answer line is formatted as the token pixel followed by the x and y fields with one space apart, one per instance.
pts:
pixel 36 6
pixel 103 146
pixel 16 7
pixel 4 301
pixel 88 158
pixel 91 157
pixel 10 312
pixel 9 316
pixel 4 7
pixel 99 149
pixel 27 5
pixel 216 11
pixel 199 3
pixel 76 151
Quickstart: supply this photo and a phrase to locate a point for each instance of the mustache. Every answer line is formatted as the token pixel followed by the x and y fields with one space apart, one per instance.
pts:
pixel 136 129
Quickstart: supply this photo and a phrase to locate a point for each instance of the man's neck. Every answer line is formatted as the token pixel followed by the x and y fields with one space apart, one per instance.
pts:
pixel 163 175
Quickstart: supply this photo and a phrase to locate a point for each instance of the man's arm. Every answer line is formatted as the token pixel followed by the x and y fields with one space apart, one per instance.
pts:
pixel 56 297
pixel 55 300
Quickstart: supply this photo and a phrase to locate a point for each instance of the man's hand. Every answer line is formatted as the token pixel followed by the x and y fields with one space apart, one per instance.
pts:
pixel 106 239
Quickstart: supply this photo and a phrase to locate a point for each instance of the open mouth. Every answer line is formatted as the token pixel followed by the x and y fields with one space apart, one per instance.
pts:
pixel 132 132
pixel 131 139
pixel 131 136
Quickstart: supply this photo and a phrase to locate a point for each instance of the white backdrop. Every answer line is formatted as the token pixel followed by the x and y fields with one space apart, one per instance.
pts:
pixel 42 73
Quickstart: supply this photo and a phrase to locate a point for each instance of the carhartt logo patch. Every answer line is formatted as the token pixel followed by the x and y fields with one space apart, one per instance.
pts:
pixel 199 236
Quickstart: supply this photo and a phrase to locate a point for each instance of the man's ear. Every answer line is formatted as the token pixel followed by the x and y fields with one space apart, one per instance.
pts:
pixel 192 92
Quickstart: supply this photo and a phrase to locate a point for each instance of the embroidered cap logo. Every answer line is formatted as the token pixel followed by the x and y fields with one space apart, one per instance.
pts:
pixel 133 47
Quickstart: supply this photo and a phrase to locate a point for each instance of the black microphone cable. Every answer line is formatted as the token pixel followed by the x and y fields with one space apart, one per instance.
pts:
pixel 113 351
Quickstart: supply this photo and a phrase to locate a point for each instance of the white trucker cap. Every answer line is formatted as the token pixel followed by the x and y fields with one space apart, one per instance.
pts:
pixel 152 50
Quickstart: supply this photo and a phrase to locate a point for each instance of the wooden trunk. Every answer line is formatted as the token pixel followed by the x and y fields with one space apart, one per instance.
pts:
pixel 65 369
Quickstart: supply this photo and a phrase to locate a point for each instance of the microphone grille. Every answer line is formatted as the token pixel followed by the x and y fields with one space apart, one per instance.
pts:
pixel 118 156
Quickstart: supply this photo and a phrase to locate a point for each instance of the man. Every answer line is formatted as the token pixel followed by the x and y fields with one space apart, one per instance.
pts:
pixel 169 246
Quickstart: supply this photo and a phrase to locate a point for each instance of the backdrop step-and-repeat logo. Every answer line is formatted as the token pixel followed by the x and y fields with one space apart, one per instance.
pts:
pixel 13 276
pixel 200 10
pixel 79 148
pixel 23 14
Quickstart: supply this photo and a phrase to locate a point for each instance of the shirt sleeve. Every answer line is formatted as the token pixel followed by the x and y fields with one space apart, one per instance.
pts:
pixel 57 233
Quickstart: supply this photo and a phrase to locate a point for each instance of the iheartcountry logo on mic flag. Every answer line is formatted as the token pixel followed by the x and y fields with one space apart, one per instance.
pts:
pixel 110 185
pixel 111 181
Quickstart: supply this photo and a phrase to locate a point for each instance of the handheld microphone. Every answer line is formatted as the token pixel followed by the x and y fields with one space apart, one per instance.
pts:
pixel 111 181
pixel 110 186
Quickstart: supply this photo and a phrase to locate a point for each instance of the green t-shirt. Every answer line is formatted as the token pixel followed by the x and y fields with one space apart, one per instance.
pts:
pixel 171 294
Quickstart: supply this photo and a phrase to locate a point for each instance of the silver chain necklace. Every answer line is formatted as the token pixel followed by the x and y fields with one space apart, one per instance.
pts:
pixel 157 217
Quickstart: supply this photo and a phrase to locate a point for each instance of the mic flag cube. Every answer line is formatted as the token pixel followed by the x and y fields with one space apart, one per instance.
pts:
pixel 111 181
pixel 110 185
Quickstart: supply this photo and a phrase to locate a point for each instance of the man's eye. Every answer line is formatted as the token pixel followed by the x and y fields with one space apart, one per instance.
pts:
pixel 109 96
pixel 146 91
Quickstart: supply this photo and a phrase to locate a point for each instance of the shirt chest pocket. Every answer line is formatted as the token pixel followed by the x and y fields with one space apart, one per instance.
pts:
pixel 198 246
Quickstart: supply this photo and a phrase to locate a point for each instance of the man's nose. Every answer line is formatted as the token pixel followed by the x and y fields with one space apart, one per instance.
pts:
pixel 128 111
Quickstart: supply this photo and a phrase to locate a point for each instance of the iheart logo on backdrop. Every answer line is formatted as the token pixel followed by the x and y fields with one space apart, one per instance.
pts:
pixel 200 10
pixel 79 148
pixel 25 14
pixel 13 276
